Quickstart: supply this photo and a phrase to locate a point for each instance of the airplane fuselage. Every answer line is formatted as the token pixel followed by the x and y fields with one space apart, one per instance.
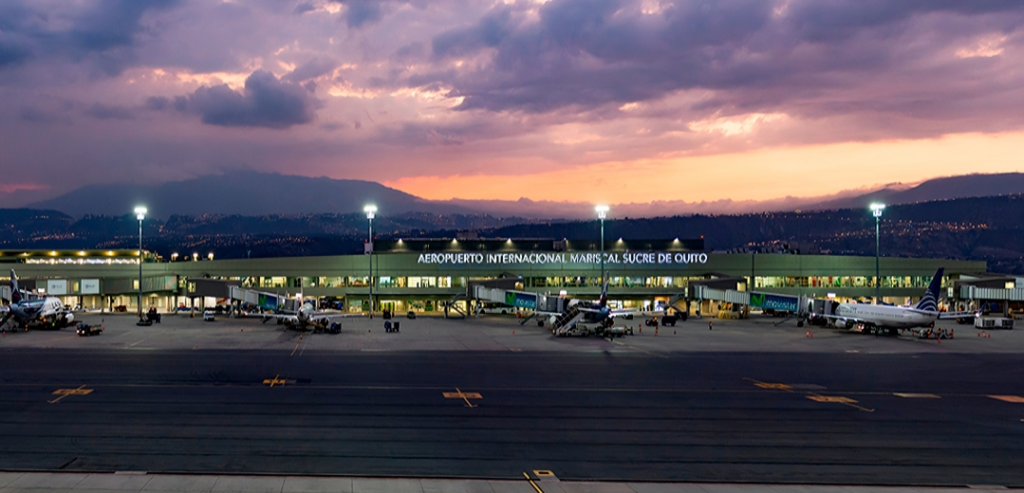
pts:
pixel 896 317
pixel 27 311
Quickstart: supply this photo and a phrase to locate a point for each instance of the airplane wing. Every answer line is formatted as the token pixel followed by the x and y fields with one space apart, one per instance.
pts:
pixel 956 315
pixel 316 317
pixel 280 316
pixel 612 313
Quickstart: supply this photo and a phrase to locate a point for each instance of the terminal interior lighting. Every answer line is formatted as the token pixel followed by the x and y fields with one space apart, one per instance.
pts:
pixel 877 208
pixel 602 211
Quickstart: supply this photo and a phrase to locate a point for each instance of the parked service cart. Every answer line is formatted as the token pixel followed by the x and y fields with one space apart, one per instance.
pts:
pixel 993 323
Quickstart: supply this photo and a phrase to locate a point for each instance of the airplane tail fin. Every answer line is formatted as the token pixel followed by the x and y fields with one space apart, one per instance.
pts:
pixel 930 300
pixel 15 292
pixel 603 302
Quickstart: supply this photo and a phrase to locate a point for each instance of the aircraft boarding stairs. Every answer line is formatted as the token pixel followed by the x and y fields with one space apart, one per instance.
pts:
pixel 567 320
pixel 453 305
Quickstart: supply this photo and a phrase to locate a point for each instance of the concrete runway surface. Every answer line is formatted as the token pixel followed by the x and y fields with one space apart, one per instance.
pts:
pixel 745 403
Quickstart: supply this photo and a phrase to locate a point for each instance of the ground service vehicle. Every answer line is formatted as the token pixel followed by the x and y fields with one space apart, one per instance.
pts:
pixel 83 329
pixel 208 316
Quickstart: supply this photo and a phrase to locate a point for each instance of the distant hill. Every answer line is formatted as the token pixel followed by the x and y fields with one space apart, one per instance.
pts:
pixel 952 187
pixel 248 193
pixel 979 228
pixel 259 194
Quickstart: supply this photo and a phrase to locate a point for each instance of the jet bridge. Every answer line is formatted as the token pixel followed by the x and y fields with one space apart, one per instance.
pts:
pixel 797 305
pixel 262 300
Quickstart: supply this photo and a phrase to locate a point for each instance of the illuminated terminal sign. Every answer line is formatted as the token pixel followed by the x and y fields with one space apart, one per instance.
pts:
pixel 543 258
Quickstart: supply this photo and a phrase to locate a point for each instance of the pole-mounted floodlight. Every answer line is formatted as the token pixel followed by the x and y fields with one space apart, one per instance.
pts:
pixel 140 214
pixel 370 211
pixel 876 210
pixel 602 212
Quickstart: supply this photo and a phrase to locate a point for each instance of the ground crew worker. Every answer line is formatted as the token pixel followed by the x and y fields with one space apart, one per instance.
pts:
pixel 709 324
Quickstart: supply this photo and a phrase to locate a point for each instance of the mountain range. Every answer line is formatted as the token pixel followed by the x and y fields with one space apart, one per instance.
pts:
pixel 980 228
pixel 256 194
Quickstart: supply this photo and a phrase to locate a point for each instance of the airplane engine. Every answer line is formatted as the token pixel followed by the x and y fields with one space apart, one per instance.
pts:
pixel 849 324
pixel 66 319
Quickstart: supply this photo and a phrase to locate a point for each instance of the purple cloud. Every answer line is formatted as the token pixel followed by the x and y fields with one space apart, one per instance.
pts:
pixel 266 101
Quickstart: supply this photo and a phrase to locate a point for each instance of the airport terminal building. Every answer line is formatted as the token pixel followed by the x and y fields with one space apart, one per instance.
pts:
pixel 422 274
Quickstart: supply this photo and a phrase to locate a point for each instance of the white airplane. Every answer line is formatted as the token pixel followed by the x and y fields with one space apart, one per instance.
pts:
pixel 25 309
pixel 596 312
pixel 877 317
pixel 307 316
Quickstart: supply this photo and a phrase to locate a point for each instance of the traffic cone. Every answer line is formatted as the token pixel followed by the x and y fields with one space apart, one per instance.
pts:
pixel 952 332
pixel 513 331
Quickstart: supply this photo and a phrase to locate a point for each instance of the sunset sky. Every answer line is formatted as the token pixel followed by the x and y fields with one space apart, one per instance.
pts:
pixel 591 101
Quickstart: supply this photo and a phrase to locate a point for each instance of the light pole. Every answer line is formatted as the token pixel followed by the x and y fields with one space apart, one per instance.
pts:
pixel 140 214
pixel 370 211
pixel 876 210
pixel 602 212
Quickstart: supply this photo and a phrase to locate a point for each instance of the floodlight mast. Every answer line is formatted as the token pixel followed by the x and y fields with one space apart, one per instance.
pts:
pixel 140 214
pixel 370 211
pixel 876 210
pixel 602 212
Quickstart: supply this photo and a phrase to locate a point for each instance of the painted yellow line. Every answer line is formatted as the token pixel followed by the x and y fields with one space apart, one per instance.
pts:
pixel 773 386
pixel 831 398
pixel 527 476
pixel 915 396
pixel 1009 398
pixel 297 345
pixel 274 381
pixel 543 473
pixel 66 392
pixel 466 396
pixel 846 401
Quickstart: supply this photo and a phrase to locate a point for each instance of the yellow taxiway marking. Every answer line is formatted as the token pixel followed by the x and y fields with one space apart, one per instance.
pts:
pixel 535 487
pixel 66 392
pixel 831 398
pixel 915 396
pixel 274 381
pixel 1009 398
pixel 773 386
pixel 466 396
pixel 543 473
pixel 297 345
pixel 846 401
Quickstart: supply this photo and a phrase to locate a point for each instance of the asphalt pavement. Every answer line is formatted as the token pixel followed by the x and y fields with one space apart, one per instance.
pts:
pixel 894 412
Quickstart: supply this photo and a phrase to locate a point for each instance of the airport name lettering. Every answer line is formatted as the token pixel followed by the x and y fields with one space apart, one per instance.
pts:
pixel 650 258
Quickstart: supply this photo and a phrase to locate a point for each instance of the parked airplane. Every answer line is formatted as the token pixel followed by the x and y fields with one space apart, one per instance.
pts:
pixel 877 317
pixel 579 311
pixel 306 316
pixel 27 308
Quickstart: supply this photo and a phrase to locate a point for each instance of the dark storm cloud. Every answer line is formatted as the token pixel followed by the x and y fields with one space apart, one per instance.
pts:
pixel 824 21
pixel 758 55
pixel 361 13
pixel 104 32
pixel 264 102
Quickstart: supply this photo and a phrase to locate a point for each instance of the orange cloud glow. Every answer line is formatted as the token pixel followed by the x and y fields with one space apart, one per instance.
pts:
pixel 807 171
